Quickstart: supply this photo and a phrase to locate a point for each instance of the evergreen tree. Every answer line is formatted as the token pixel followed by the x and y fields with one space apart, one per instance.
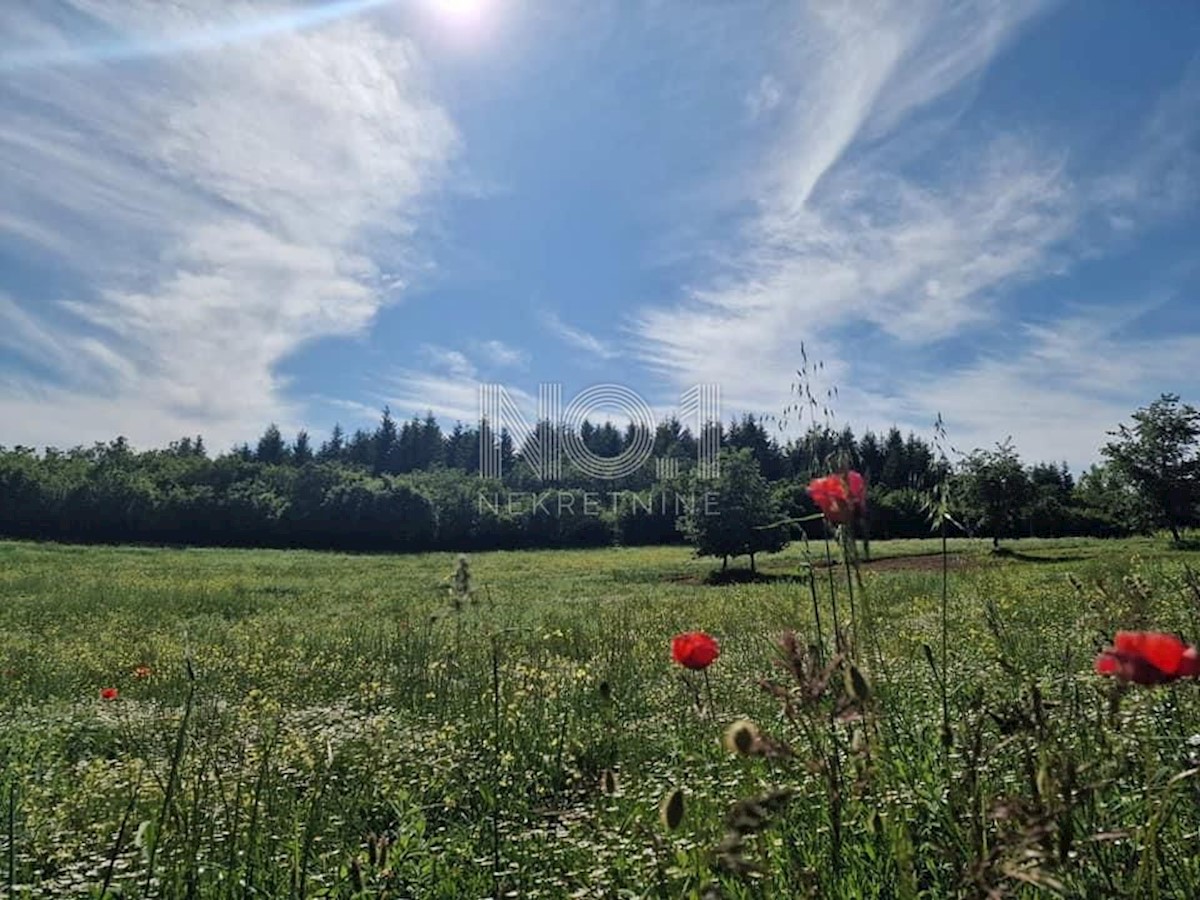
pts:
pixel 302 449
pixel 385 442
pixel 918 463
pixel 360 450
pixel 870 456
pixel 431 444
pixel 271 448
pixel 332 449
pixel 894 473
pixel 462 449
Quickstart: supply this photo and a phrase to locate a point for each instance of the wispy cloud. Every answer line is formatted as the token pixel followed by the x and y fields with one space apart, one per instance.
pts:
pixel 221 215
pixel 764 98
pixel 501 354
pixel 449 396
pixel 578 338
pixel 877 232
pixel 453 362
pixel 1161 174
pixel 1075 379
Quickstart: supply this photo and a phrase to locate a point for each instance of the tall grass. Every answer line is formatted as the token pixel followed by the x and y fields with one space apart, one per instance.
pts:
pixel 341 734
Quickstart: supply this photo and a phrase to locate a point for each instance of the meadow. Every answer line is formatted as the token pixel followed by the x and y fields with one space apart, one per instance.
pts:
pixel 305 724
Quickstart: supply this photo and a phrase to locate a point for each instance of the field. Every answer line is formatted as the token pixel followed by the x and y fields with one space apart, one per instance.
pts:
pixel 321 725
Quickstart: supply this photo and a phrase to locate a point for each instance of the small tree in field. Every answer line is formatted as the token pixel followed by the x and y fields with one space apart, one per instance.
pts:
pixel 731 520
pixel 994 490
pixel 1160 455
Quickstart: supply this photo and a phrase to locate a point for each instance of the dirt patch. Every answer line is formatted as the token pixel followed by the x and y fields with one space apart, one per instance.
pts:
pixel 928 562
pixel 717 578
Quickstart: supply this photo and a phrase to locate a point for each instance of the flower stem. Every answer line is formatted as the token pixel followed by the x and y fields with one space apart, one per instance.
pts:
pixel 712 712
pixel 837 629
pixel 945 628
pixel 812 586
pixel 847 537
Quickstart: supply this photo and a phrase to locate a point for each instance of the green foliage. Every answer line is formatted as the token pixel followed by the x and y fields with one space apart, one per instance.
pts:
pixel 649 517
pixel 281 495
pixel 898 513
pixel 993 490
pixel 1160 456
pixel 735 514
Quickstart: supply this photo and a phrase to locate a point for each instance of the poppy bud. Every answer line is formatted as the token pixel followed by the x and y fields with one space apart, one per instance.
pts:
pixel 608 782
pixel 741 737
pixel 672 808
pixel 857 685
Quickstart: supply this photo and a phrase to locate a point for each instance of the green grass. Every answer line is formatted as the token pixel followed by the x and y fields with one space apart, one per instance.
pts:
pixel 336 705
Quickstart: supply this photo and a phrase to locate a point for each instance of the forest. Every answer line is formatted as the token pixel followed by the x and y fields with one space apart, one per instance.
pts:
pixel 414 486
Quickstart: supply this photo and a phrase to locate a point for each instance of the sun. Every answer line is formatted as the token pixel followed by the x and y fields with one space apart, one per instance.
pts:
pixel 460 13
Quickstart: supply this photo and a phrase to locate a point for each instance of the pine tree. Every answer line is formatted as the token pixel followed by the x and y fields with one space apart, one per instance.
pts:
pixel 302 449
pixel 384 444
pixel 332 449
pixel 271 448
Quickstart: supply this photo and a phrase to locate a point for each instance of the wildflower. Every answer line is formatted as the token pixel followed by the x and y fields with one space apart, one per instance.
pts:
pixel 108 693
pixel 694 649
pixel 142 672
pixel 840 497
pixel 1148 657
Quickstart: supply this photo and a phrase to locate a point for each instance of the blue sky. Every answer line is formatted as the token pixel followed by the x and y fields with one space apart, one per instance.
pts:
pixel 215 216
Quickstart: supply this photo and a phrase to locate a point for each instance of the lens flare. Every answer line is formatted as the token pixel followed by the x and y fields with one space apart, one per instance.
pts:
pixel 233 32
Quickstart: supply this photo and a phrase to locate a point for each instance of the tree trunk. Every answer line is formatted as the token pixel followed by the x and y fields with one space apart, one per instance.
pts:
pixel 724 563
pixel 752 564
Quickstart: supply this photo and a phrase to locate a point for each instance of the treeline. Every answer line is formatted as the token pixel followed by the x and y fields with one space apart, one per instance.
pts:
pixel 414 486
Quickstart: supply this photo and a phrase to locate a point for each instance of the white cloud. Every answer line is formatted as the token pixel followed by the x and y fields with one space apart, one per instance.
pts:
pixel 1074 381
pixel 764 97
pixel 451 397
pixel 914 258
pixel 578 338
pixel 224 208
pixel 501 354
pixel 1162 175
pixel 453 362
pixel 876 233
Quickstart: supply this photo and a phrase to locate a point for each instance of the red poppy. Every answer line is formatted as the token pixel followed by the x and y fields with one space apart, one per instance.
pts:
pixel 1148 657
pixel 141 672
pixel 108 693
pixel 694 649
pixel 840 497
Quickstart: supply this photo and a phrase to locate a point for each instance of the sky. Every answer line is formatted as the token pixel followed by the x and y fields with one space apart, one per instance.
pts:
pixel 214 216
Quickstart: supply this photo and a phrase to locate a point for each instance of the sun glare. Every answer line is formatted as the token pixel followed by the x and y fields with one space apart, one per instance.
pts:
pixel 461 13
